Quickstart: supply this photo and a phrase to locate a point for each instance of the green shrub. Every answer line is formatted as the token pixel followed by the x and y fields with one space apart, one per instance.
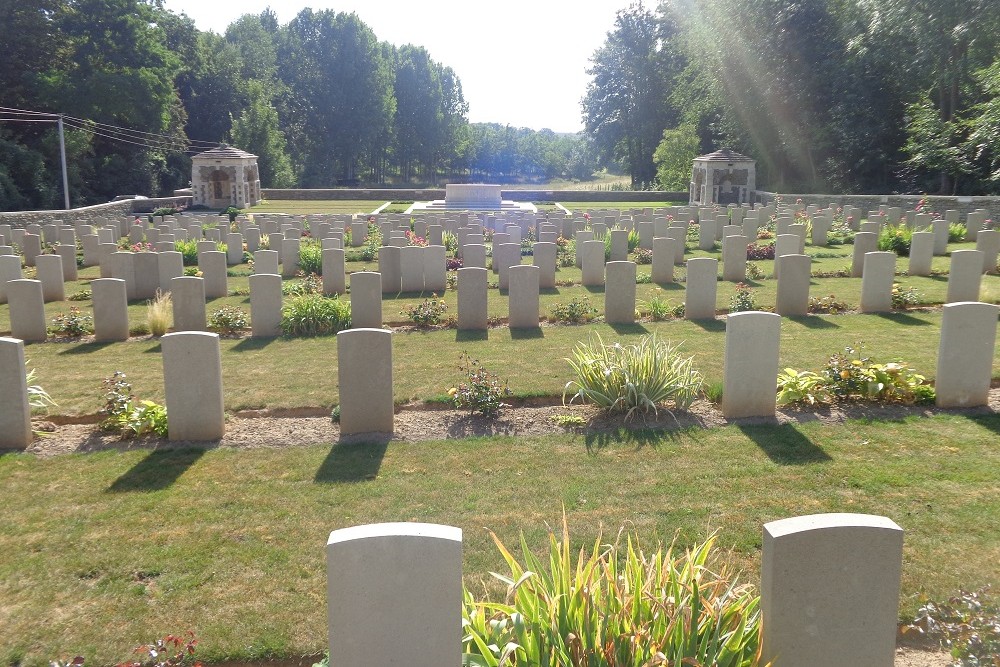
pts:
pixel 614 605
pixel 904 297
pixel 577 311
pixel 895 238
pixel 127 415
pixel 630 378
pixel 754 272
pixel 310 284
pixel 481 391
pixel 827 304
pixel 643 256
pixel 743 299
pixel 38 398
pixel 311 258
pixel 851 376
pixel 802 387
pixel 73 324
pixel 82 295
pixel 315 315
pixel 228 320
pixel 188 249
pixel 957 232
pixel 968 625
pixel 429 312
pixel 660 308
pixel 159 313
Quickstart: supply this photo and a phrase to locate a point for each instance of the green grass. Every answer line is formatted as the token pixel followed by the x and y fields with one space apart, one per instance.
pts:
pixel 103 551
pixel 302 206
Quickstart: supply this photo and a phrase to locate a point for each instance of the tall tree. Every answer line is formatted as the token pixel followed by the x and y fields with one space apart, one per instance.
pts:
pixel 258 131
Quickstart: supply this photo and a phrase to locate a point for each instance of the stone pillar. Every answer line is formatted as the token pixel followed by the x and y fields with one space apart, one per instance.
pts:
pixel 364 374
pixel 187 294
pixel 965 276
pixel 988 242
pixel 50 274
pixel 389 267
pixel 234 249
pixel 15 411
pixel 289 257
pixel 965 354
pixel 619 245
pixel 830 590
pixel 921 254
pixel 864 243
pixel 192 381
pixel 265 261
pixel 523 296
pixel 110 309
pixel 734 258
pixel 472 299
pixel 67 253
pixel 751 364
pixel 27 310
pixel 706 234
pixel 366 300
pixel 435 274
pixel 701 288
pixel 664 252
pixel 544 257
pixel 265 305
pixel 793 286
pixel 213 268
pixel 619 293
pixel 876 283
pixel 592 258
pixel 395 589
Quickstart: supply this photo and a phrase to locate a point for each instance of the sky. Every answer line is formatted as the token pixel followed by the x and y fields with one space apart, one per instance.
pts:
pixel 522 62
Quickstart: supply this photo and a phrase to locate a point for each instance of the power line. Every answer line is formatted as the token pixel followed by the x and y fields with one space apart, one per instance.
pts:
pixel 177 146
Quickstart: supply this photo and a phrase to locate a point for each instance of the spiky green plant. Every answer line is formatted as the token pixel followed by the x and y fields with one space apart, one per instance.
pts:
pixel 629 378
pixel 614 606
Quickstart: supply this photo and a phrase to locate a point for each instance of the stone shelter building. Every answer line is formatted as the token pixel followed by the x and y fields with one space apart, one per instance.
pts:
pixel 723 177
pixel 225 176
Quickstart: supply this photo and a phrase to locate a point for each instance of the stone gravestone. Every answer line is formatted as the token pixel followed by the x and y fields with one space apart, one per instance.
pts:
pixel 192 380
pixel 15 411
pixel 592 259
pixel 619 293
pixel 876 283
pixel 988 241
pixel 50 273
pixel 334 272
pixel 750 368
pixel 793 285
pixel 921 254
pixel 965 354
pixel 544 257
pixel 472 298
pixel 701 288
pixel 523 296
pixel 433 266
pixel 389 267
pixel 664 251
pixel 27 310
pixel 830 590
pixel 965 276
pixel 366 300
pixel 864 243
pixel 187 294
pixel 395 589
pixel 265 305
pixel 110 309
pixel 734 258
pixel 213 267
pixel 364 375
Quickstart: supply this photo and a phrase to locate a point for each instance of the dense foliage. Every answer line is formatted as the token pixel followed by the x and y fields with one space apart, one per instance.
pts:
pixel 320 100
pixel 827 95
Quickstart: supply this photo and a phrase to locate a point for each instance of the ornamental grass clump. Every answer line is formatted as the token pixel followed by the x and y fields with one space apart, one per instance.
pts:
pixel 615 605
pixel 315 315
pixel 629 378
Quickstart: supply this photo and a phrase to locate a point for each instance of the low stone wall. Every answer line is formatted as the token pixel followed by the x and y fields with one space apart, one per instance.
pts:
pixel 596 196
pixel 89 214
pixel 963 205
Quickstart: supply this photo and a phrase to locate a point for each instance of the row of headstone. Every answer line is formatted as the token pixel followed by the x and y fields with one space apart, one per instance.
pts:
pixel 830 586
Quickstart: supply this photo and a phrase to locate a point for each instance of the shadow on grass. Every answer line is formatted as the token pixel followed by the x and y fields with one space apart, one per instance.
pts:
pixel 813 322
pixel 158 471
pixel 250 344
pixel 549 290
pixel 903 318
pixel 354 460
pixel 623 329
pixel 156 349
pixel 525 334
pixel 784 444
pixel 713 324
pixel 639 438
pixel 86 348
pixel 465 335
pixel 594 289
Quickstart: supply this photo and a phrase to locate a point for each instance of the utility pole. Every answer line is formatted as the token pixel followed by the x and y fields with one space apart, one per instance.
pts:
pixel 62 156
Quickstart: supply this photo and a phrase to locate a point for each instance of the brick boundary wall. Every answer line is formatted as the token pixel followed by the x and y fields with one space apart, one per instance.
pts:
pixel 939 204
pixel 88 214
pixel 595 196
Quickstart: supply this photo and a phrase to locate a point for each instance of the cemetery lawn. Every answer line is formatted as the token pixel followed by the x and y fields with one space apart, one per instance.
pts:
pixel 107 550
pixel 304 206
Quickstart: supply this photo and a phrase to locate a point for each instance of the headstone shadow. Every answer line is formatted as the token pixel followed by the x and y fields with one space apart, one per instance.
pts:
pixel 86 348
pixel 637 437
pixel 157 471
pixel 250 344
pixel 813 322
pixel 354 459
pixel 526 334
pixel 784 444
pixel 624 329
pixel 464 335
pixel 713 324
pixel 903 318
